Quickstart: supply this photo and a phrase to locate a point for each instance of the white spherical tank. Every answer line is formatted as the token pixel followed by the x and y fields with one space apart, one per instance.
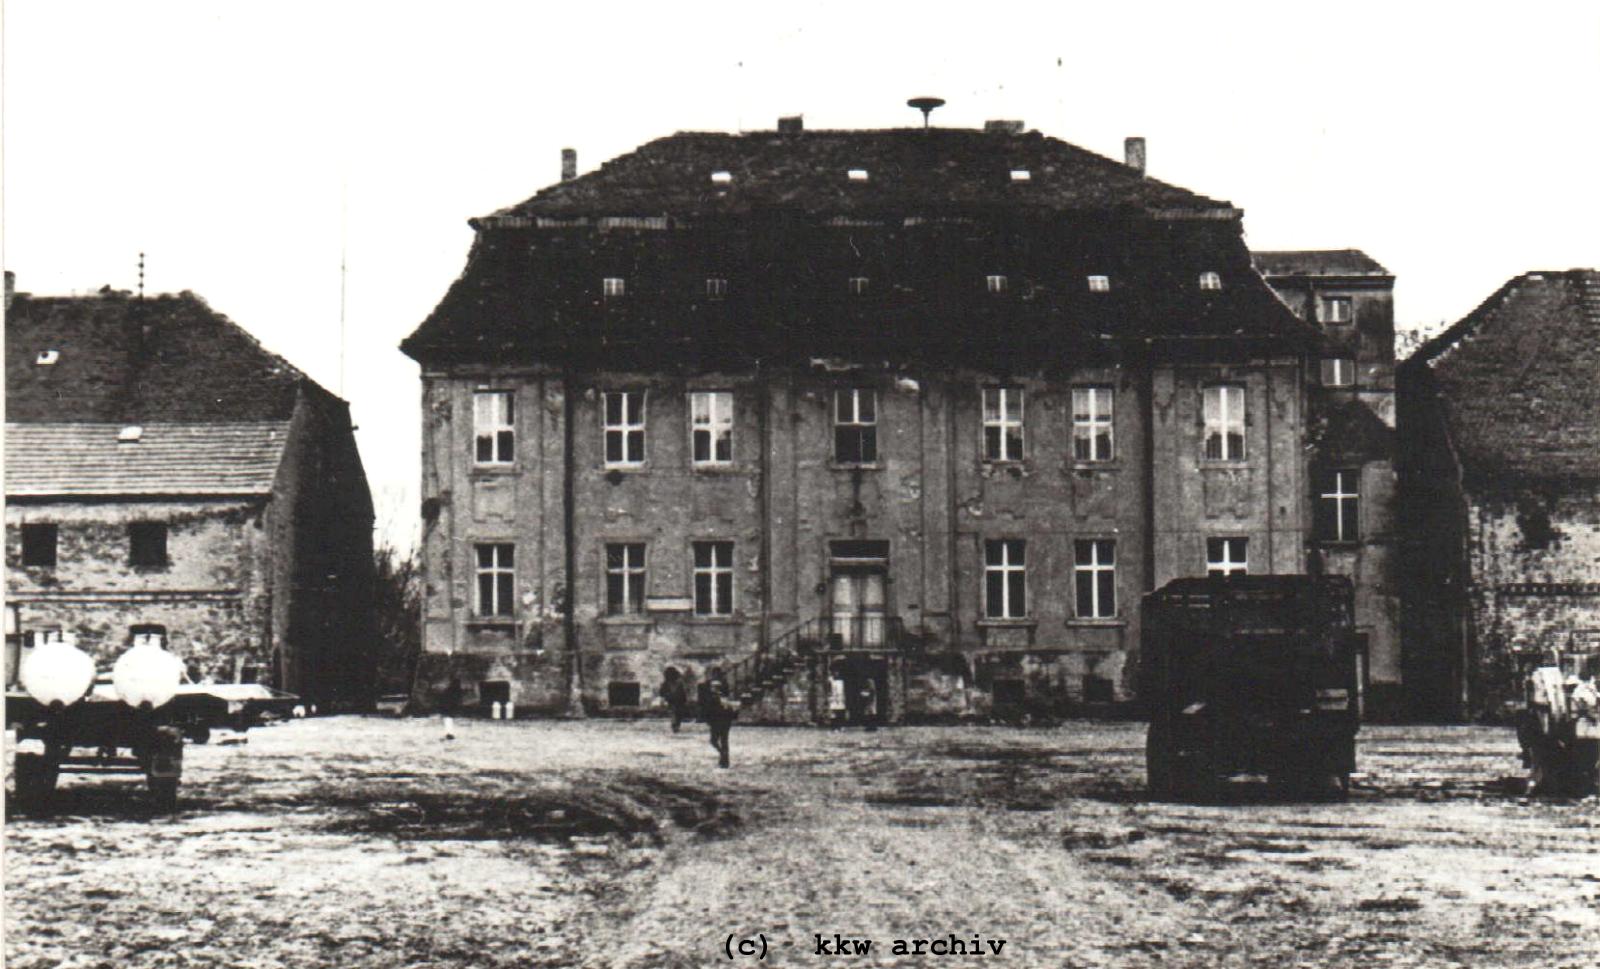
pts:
pixel 146 674
pixel 57 672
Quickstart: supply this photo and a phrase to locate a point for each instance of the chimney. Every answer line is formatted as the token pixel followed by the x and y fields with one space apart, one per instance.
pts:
pixel 1133 150
pixel 792 125
pixel 11 287
pixel 569 164
pixel 1003 127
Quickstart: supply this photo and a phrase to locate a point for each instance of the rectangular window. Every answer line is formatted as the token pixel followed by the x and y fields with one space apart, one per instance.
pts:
pixel 147 544
pixel 855 426
pixel 1002 423
pixel 497 575
pixel 39 544
pixel 858 285
pixel 1338 372
pixel 624 425
pixel 713 578
pixel 494 420
pixel 1338 506
pixel 716 287
pixel 613 286
pixel 1224 420
pixel 1091 424
pixel 625 579
pixel 711 425
pixel 1005 579
pixel 1334 309
pixel 1227 556
pixel 1210 281
pixel 996 284
pixel 1095 571
pixel 1099 284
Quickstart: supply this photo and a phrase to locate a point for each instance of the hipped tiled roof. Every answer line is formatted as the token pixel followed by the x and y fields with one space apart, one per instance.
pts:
pixel 1316 262
pixel 1519 380
pixel 83 459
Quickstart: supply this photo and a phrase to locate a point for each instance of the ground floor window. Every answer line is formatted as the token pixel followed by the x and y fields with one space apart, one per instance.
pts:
pixel 1095 571
pixel 713 578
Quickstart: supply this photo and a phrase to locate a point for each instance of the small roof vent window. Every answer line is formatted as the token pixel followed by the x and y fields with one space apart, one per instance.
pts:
pixel 48 358
pixel 1210 281
pixel 1021 175
pixel 857 174
pixel 1099 284
pixel 130 434
pixel 721 177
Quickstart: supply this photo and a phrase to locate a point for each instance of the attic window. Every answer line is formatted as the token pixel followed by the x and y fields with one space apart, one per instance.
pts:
pixel 130 434
pixel 47 358
pixel 996 284
pixel 858 285
pixel 1210 281
pixel 612 286
pixel 1099 284
pixel 1021 175
pixel 857 174
pixel 721 177
pixel 716 287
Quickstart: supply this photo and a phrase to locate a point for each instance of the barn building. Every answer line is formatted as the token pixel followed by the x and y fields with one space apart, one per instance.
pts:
pixel 938 404
pixel 167 477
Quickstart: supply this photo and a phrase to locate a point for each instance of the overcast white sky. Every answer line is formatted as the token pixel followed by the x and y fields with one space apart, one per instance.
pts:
pixel 1457 143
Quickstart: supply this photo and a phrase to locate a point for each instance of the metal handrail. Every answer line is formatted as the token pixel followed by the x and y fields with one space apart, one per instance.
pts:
pixel 826 634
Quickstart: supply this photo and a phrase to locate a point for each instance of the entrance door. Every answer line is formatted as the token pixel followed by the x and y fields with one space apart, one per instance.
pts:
pixel 858 608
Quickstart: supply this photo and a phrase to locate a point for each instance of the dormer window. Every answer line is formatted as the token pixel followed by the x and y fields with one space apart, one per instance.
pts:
pixel 1334 309
pixel 996 284
pixel 130 434
pixel 857 174
pixel 1210 281
pixel 716 287
pixel 613 286
pixel 47 358
pixel 857 285
pixel 1099 284
pixel 721 177
pixel 1021 175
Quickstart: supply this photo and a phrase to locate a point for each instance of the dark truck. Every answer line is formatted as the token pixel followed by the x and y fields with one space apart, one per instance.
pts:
pixel 1250 674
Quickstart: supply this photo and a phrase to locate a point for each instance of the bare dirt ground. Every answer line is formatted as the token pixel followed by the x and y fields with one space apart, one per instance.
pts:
pixel 374 842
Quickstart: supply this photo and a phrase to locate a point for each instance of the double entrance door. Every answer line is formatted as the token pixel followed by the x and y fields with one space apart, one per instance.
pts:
pixel 858 611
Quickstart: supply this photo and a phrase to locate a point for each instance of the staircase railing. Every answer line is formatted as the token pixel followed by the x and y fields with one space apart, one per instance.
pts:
pixel 750 677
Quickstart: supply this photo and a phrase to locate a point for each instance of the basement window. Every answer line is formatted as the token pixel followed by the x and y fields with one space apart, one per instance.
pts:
pixel 47 358
pixel 1099 284
pixel 857 174
pixel 622 694
pixel 1210 281
pixel 721 177
pixel 1021 175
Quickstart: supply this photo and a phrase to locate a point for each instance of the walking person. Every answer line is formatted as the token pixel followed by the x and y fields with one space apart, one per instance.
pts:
pixel 675 694
pixel 717 712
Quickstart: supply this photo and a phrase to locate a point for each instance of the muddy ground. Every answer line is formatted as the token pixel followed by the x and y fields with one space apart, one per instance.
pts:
pixel 375 842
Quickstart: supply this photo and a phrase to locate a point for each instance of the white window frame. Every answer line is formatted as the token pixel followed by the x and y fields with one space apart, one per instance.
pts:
pixel 627 431
pixel 1228 419
pixel 500 567
pixel 613 287
pixel 1102 560
pixel 1210 281
pixel 1099 284
pixel 1006 559
pixel 494 426
pixel 631 570
pixel 858 285
pixel 856 421
pixel 996 284
pixel 1338 372
pixel 1342 477
pixel 997 407
pixel 721 602
pixel 1094 423
pixel 1326 315
pixel 711 416
pixel 1228 556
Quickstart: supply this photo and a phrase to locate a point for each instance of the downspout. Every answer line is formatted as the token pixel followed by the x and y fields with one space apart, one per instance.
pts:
pixel 569 527
pixel 764 497
pixel 1147 406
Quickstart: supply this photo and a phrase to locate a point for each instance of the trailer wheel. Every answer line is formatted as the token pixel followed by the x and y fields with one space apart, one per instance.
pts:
pixel 164 792
pixel 1158 764
pixel 36 781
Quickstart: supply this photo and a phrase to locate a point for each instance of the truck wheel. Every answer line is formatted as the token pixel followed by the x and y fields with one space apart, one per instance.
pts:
pixel 36 782
pixel 164 792
pixel 1158 764
pixel 200 733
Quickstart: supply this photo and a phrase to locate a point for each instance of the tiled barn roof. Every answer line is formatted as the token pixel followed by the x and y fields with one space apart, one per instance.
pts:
pixel 81 459
pixel 809 171
pixel 1519 379
pixel 1316 262
pixel 121 360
